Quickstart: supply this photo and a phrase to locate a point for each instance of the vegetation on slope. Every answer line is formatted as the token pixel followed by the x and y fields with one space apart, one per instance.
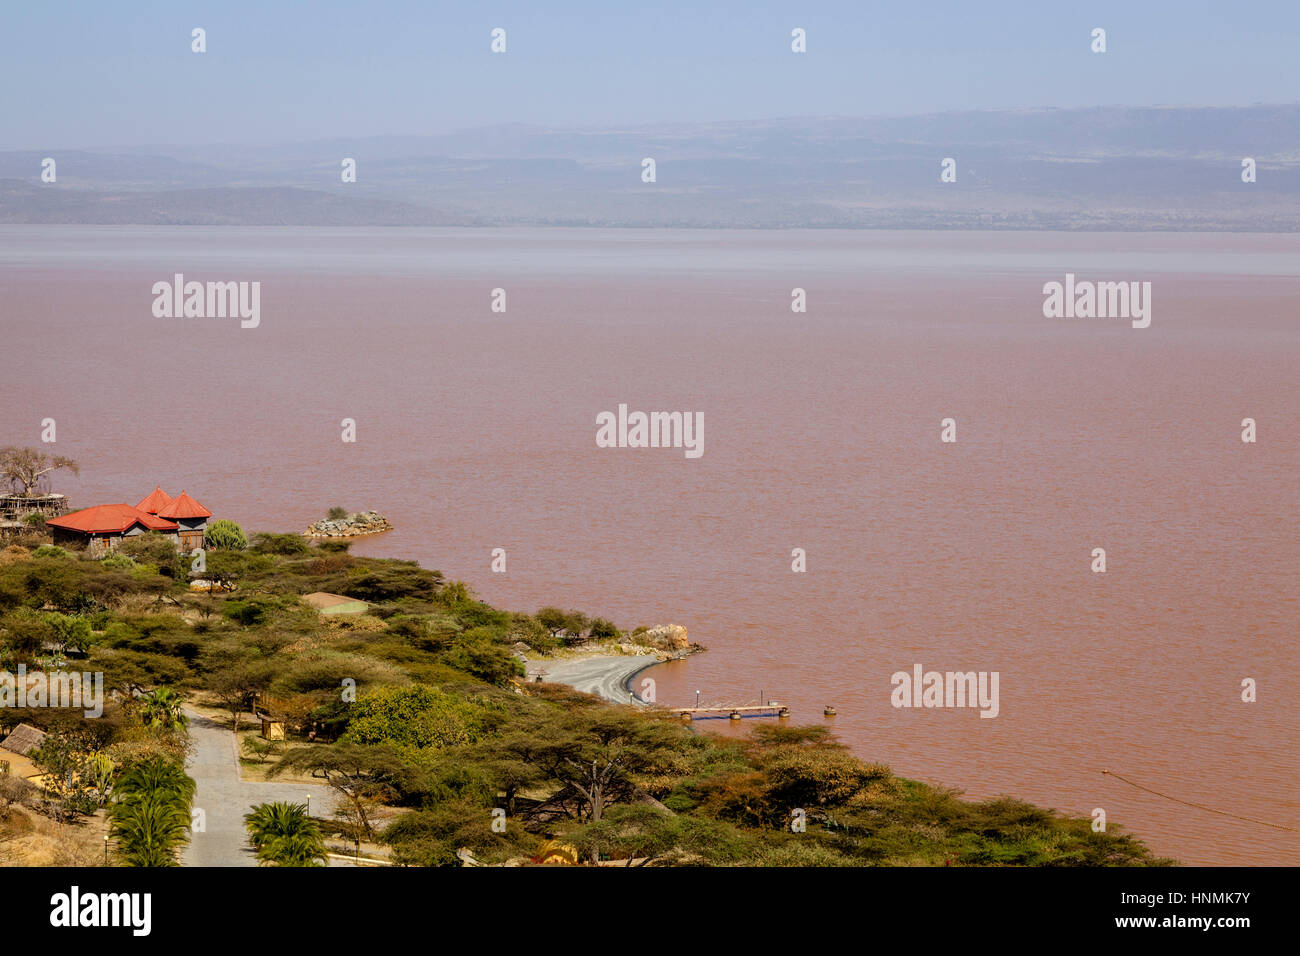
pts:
pixel 416 714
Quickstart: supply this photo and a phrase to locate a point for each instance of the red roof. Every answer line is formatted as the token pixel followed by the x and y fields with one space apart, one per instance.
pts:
pixel 184 507
pixel 156 501
pixel 110 519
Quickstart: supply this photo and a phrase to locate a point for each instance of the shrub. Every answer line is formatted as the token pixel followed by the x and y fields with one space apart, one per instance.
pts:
pixel 224 535
pixel 284 835
pixel 603 630
pixel 490 663
pixel 282 544
pixel 245 613
pixel 74 633
pixel 432 836
pixel 153 550
pixel 259 749
pixel 26 631
pixel 416 716
pixel 392 581
pixel 526 628
pixel 15 790
pixel 337 514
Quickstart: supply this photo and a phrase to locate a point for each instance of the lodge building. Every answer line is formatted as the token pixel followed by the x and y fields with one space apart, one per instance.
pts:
pixel 100 529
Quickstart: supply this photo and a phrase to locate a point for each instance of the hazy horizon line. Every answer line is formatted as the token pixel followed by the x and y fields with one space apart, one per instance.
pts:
pixel 641 124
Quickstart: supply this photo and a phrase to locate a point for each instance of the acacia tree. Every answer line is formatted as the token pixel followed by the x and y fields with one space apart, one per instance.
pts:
pixel 570 624
pixel 23 633
pixel 236 686
pixel 25 467
pixel 364 775
pixel 638 833
pixel 594 757
pixel 70 633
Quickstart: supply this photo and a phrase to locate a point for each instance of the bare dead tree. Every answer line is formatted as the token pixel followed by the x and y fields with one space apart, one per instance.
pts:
pixel 23 468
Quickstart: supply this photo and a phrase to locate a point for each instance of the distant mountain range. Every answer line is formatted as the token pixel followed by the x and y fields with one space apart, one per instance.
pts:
pixel 1155 168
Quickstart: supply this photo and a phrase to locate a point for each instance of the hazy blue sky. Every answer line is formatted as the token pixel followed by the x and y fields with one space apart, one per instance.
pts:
pixel 94 73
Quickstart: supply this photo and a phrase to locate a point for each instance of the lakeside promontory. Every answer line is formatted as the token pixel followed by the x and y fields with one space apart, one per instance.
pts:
pixel 405 694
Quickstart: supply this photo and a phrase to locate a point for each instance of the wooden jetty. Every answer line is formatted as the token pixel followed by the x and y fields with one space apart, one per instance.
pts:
pixel 733 712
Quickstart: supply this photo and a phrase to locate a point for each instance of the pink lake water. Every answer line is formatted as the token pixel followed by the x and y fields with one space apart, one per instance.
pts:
pixel 476 430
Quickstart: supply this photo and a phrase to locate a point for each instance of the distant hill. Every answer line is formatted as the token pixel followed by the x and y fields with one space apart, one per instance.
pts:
pixel 1170 168
pixel 23 202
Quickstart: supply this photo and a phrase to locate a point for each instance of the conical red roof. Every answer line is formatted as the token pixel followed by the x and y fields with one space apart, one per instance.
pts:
pixel 184 507
pixel 156 501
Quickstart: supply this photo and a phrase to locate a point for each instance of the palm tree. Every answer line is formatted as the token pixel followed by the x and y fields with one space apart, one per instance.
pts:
pixel 162 708
pixel 284 835
pixel 155 775
pixel 149 830
pixel 150 813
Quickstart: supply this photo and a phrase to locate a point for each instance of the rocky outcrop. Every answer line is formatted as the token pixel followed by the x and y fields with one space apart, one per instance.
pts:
pixel 362 522
pixel 668 637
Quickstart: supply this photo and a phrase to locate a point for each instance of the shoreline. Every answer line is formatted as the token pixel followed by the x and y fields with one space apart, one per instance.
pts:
pixel 608 676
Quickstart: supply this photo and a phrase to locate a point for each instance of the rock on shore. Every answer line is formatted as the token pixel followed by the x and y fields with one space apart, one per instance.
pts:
pixel 361 522
pixel 669 637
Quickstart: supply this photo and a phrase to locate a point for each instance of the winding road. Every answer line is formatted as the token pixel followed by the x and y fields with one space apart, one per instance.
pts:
pixel 604 676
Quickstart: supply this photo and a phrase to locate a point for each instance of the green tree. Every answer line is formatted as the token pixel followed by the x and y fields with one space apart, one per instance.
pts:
pixel 499 775
pixel 433 835
pixel 76 774
pixel 593 756
pixel 247 613
pixel 162 708
pixel 490 663
pixel 25 633
pixel 150 814
pixel 236 685
pixel 638 833
pixel 149 830
pixel 259 749
pixel 391 581
pixel 455 593
pixel 224 535
pixel 70 633
pixel 417 716
pixel 567 626
pixel 365 776
pixel 226 568
pixel 284 835
pixel 157 550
